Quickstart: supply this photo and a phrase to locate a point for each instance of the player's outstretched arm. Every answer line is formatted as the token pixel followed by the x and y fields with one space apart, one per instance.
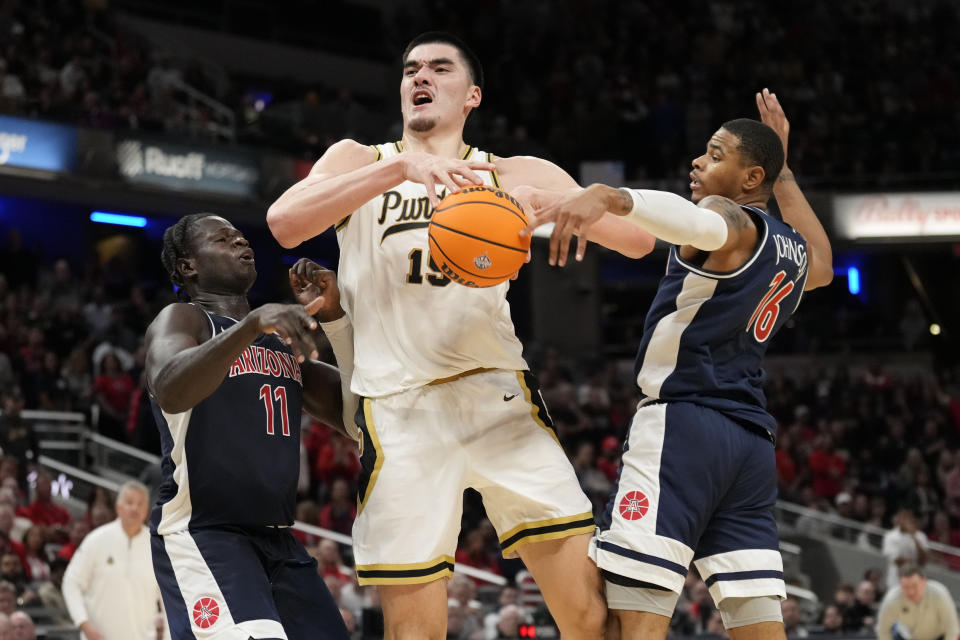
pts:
pixel 312 285
pixel 347 176
pixel 717 225
pixel 796 211
pixel 610 231
pixel 185 365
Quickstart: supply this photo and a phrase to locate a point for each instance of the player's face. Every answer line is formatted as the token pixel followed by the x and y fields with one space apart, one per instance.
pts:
pixel 221 257
pixel 436 87
pixel 720 170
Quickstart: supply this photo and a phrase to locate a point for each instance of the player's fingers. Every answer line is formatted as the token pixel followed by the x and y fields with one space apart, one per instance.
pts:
pixel 461 180
pixel 557 238
pixel 538 219
pixel 312 307
pixel 471 175
pixel 431 191
pixel 565 244
pixel 481 165
pixel 528 258
pixel 452 186
pixel 581 244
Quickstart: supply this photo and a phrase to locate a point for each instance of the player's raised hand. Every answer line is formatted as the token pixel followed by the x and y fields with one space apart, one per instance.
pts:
pixel 292 322
pixel 772 115
pixel 430 171
pixel 572 213
pixel 316 288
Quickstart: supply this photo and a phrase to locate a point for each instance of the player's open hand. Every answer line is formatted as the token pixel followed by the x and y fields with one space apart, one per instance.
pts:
pixel 430 171
pixel 316 287
pixel 292 322
pixel 772 115
pixel 572 213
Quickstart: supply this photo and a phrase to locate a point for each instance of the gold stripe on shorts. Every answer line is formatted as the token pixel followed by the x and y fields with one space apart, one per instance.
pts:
pixel 542 530
pixel 411 573
pixel 371 431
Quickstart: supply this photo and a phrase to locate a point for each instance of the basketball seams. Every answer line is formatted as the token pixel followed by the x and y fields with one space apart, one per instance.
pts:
pixel 484 240
pixel 521 216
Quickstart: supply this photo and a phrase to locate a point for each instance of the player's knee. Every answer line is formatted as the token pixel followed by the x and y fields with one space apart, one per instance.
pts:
pixel 741 612
pixel 585 620
pixel 637 596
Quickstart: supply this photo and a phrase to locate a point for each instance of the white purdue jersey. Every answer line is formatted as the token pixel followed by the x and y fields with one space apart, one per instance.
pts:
pixel 411 324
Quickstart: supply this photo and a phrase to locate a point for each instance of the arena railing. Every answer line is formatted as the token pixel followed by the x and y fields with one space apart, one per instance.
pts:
pixel 831 525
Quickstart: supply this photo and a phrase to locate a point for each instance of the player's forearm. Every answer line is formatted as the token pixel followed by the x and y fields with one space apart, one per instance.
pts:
pixel 321 395
pixel 193 374
pixel 316 203
pixel 798 213
pixel 669 217
pixel 340 334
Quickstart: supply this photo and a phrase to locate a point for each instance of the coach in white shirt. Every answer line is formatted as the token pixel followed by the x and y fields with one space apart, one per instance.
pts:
pixel 917 609
pixel 109 586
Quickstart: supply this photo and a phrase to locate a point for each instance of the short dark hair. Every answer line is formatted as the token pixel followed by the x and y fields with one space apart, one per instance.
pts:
pixel 176 242
pixel 909 569
pixel 443 37
pixel 760 145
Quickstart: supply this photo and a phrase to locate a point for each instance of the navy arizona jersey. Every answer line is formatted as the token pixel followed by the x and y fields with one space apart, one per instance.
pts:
pixel 706 333
pixel 235 457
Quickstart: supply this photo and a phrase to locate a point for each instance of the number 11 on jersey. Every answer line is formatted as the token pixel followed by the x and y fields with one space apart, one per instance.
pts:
pixel 280 393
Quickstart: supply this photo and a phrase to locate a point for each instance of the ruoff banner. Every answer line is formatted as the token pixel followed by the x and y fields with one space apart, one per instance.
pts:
pixel 879 216
pixel 37 145
pixel 187 168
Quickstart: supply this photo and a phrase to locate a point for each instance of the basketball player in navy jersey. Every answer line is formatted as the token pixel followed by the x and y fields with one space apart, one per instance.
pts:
pixel 698 477
pixel 227 384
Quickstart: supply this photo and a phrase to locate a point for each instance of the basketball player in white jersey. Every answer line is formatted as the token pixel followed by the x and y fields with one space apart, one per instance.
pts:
pixel 447 401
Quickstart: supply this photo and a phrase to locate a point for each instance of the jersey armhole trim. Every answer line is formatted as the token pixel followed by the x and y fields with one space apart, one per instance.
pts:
pixel 213 327
pixel 493 173
pixel 732 274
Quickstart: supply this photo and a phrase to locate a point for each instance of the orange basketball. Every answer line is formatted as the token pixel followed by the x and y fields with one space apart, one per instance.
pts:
pixel 475 236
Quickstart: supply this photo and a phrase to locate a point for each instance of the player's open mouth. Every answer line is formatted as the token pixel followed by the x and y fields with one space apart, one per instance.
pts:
pixel 421 97
pixel 694 183
pixel 246 256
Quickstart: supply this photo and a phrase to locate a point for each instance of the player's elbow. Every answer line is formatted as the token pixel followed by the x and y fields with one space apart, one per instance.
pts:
pixel 281 226
pixel 637 244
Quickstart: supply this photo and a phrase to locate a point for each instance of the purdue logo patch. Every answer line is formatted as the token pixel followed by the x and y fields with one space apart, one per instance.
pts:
pixel 482 262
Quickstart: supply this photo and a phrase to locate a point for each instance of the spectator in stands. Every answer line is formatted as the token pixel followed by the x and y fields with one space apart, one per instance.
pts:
pixel 609 460
pixel 828 466
pixel 79 529
pixel 6 526
pixel 8 597
pixel 100 514
pixel 903 544
pixel 509 619
pixel 329 562
pixel 474 553
pixel 793 619
pixel 12 572
pixel 339 514
pixel 22 626
pixel 42 510
pixel 337 458
pixel 35 542
pixel 17 436
pixel 112 391
pixel 862 612
pixel 832 622
pixel 109 586
pixel 917 608
pixel 6 628
pixel 50 593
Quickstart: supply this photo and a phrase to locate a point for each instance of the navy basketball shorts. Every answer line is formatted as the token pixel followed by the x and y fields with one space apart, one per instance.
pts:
pixel 233 584
pixel 694 486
